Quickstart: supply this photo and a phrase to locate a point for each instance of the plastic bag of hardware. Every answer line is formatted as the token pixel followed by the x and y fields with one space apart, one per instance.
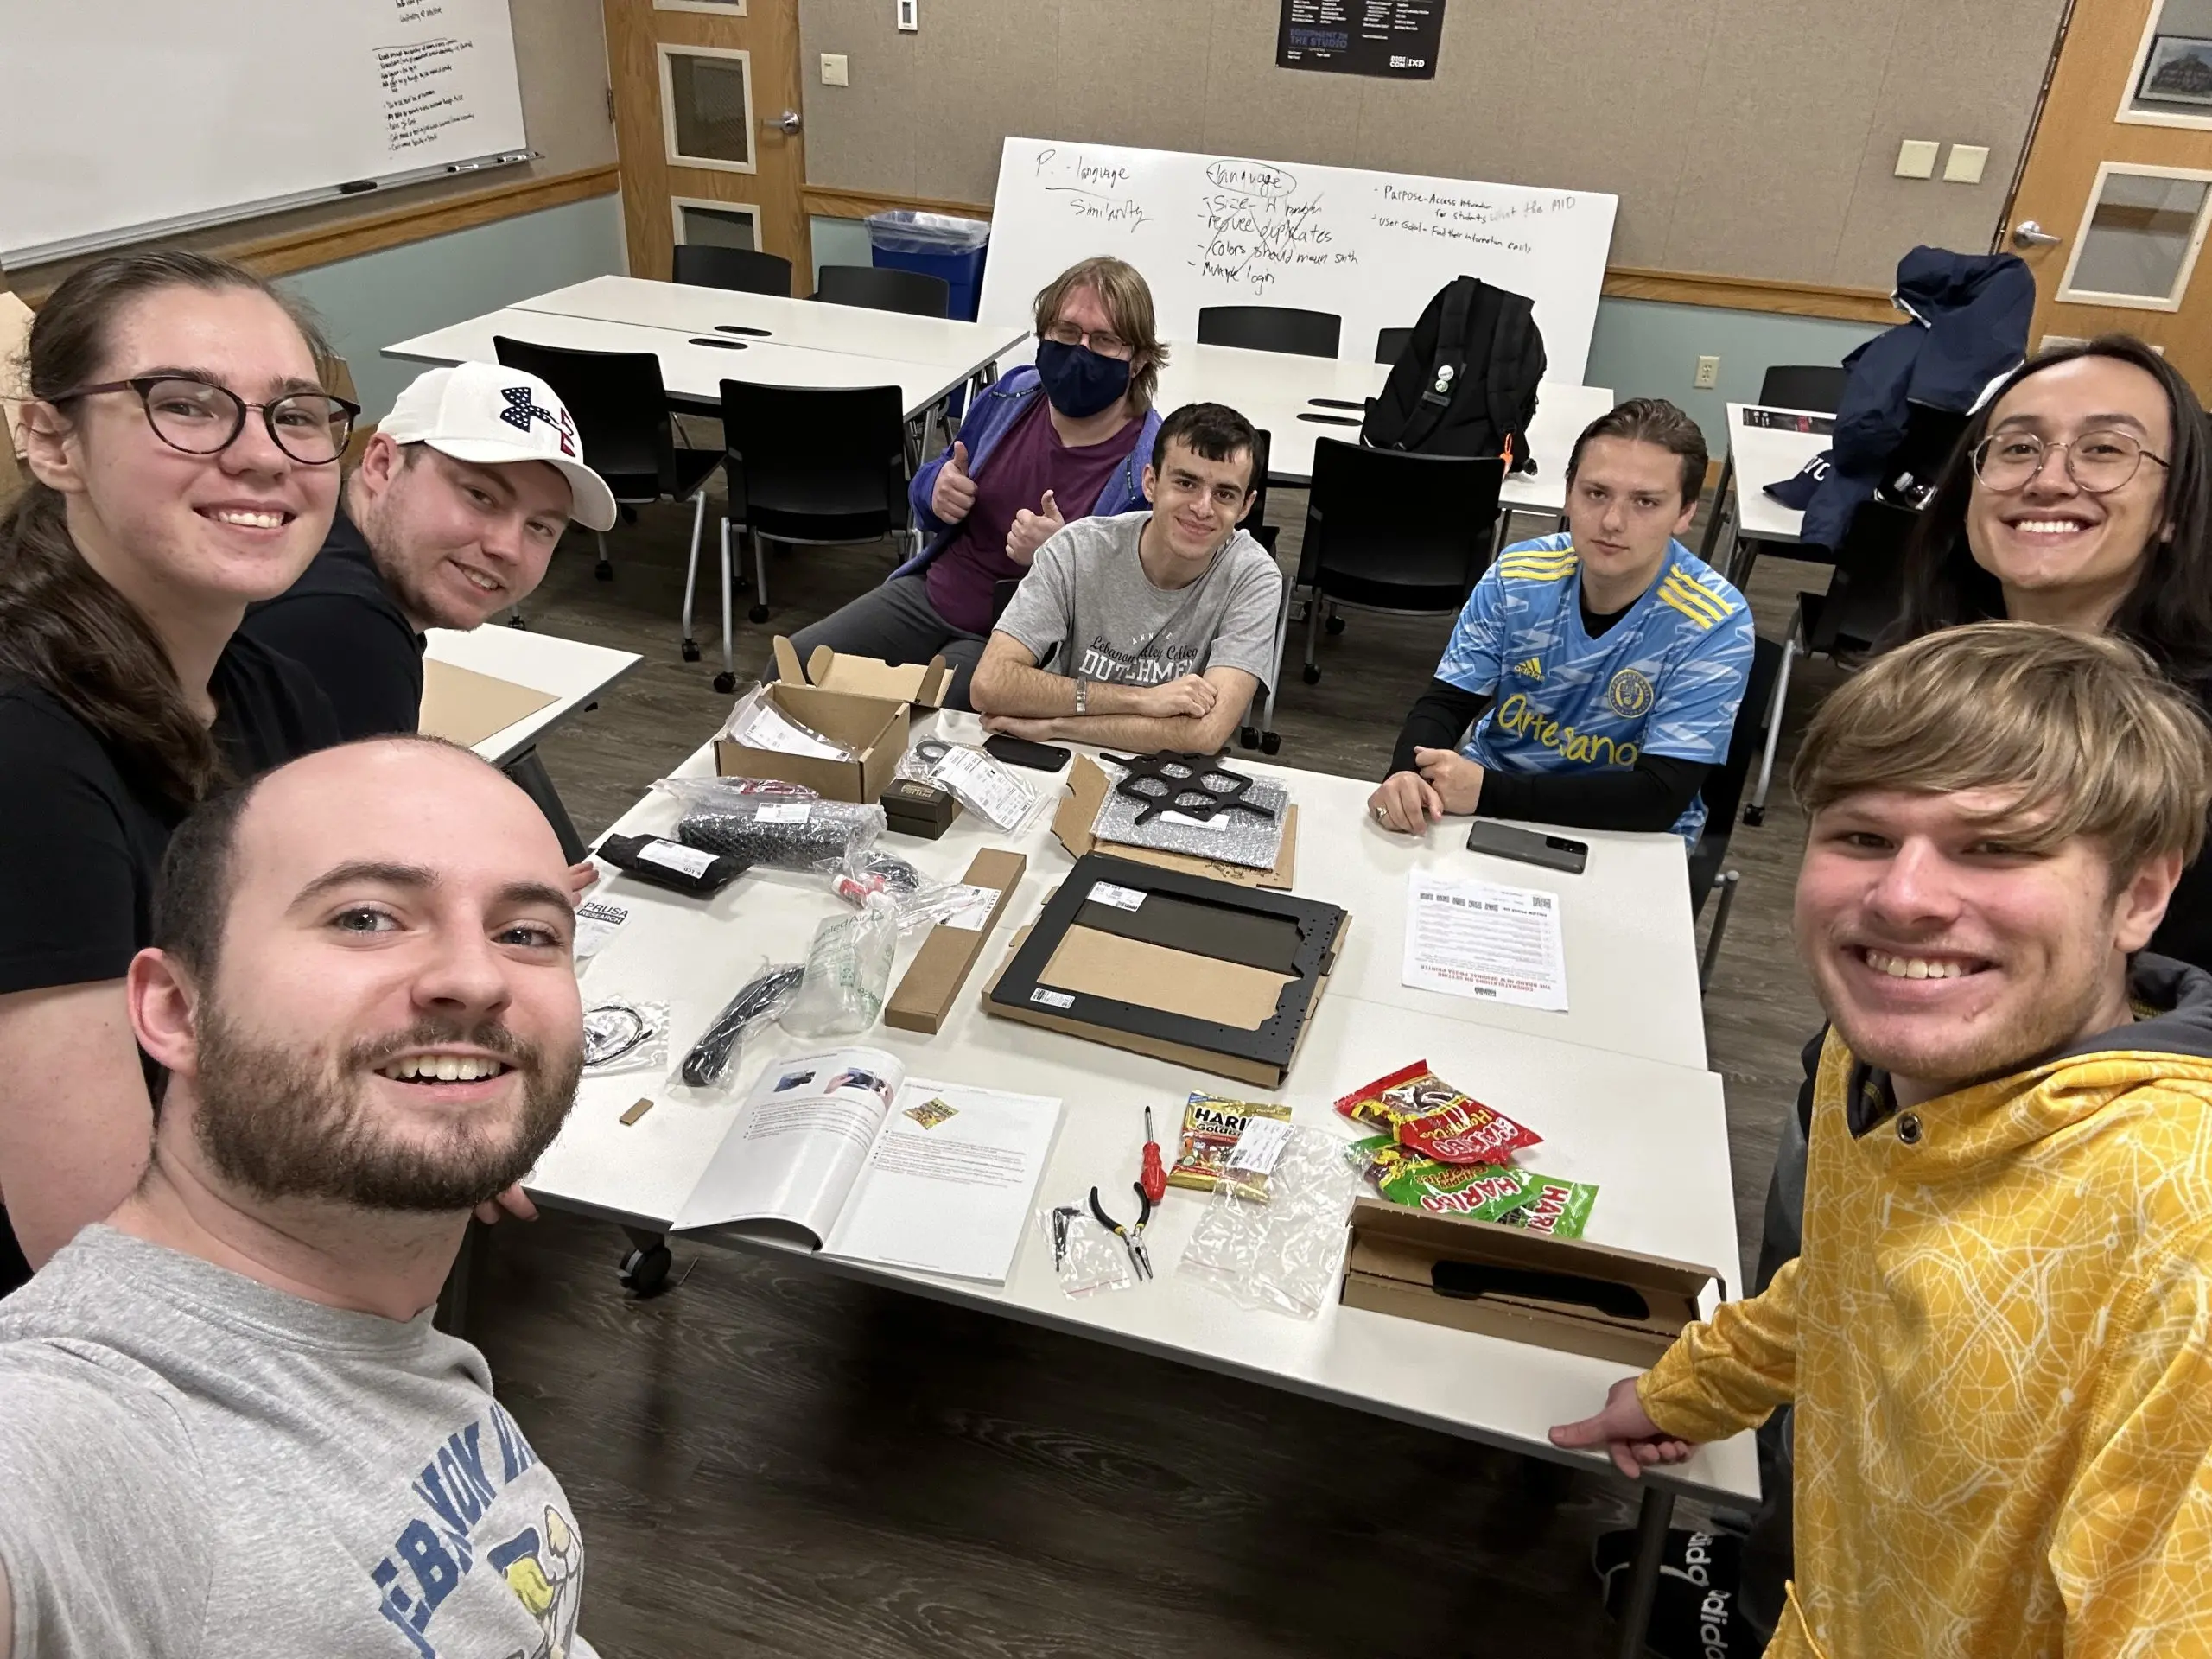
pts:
pixel 1284 1254
pixel 624 1035
pixel 759 723
pixel 848 973
pixel 778 834
pixel 918 901
pixel 1086 1258
pixel 708 1071
pixel 689 792
pixel 992 791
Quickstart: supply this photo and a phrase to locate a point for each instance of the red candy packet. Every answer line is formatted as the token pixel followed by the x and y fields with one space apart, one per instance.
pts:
pixel 1422 1110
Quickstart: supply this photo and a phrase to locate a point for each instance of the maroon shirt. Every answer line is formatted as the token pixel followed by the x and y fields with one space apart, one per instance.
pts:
pixel 1027 461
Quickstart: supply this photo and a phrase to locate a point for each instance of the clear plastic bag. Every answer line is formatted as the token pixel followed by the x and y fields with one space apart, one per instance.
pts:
pixel 1086 1258
pixel 848 973
pixel 709 1069
pixel 1282 1255
pixel 759 723
pixel 715 792
pixel 992 791
pixel 816 836
pixel 624 1035
pixel 918 901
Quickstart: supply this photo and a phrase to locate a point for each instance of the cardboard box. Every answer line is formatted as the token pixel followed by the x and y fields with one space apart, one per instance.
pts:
pixel 1566 1294
pixel 925 996
pixel 1088 786
pixel 873 727
pixel 914 807
pixel 920 683
pixel 464 707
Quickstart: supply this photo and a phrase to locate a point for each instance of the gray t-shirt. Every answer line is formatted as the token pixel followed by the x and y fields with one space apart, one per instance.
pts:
pixel 1087 595
pixel 195 1463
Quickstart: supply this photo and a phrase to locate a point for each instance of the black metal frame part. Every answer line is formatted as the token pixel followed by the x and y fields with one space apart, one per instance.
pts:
pixel 1182 782
pixel 1248 912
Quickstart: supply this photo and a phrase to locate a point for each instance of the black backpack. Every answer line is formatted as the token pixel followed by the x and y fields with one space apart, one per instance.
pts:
pixel 1465 384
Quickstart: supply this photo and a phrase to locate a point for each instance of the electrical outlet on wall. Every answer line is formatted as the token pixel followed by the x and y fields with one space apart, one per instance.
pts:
pixel 1709 373
pixel 909 15
pixel 833 69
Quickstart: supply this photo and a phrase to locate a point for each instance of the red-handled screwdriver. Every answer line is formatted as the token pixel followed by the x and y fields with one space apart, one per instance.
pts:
pixel 1154 1179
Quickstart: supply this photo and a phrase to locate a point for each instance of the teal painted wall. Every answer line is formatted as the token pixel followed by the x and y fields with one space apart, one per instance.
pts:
pixel 367 302
pixel 840 242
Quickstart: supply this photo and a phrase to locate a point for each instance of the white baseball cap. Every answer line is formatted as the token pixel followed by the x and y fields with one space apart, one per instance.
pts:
pixel 493 416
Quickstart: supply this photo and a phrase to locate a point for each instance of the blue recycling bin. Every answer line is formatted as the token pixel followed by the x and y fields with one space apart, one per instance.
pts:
pixel 935 244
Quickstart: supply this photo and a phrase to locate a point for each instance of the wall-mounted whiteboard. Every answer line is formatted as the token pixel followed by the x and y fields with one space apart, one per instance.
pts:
pixel 1224 230
pixel 130 119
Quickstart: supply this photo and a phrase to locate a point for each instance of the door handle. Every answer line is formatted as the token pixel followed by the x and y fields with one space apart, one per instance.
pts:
pixel 2029 234
pixel 788 123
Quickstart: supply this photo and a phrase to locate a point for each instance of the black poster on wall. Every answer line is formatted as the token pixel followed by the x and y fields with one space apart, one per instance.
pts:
pixel 1395 39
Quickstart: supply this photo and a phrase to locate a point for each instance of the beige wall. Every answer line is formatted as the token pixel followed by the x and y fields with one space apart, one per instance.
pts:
pixel 1749 137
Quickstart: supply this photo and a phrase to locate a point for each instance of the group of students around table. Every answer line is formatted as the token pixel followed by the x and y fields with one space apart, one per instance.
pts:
pixel 286 993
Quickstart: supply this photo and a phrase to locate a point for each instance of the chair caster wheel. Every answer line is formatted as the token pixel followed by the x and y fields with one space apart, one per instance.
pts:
pixel 690 650
pixel 1270 742
pixel 1333 624
pixel 1247 738
pixel 518 622
pixel 627 513
pixel 1755 816
pixel 758 613
pixel 603 570
pixel 726 683
pixel 644 1273
pixel 1310 674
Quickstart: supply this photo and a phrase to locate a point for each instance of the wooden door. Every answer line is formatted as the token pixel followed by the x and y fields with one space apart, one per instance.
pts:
pixel 2115 193
pixel 707 121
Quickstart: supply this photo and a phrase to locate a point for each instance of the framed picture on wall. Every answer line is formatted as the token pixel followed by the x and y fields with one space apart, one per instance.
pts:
pixel 2177 70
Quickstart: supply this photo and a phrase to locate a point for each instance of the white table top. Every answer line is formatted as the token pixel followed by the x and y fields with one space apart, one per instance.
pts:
pixel 856 331
pixel 691 373
pixel 1653 1135
pixel 1764 455
pixel 573 671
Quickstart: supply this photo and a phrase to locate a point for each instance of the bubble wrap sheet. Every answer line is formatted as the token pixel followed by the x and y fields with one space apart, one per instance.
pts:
pixel 1242 838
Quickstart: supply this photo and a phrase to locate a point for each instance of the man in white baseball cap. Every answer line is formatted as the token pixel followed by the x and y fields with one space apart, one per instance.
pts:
pixel 461 494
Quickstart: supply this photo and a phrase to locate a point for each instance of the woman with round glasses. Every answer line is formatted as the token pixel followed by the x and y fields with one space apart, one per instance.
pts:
pixel 182 458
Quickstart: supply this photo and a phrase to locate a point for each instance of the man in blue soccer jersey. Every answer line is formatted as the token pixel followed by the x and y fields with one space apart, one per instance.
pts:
pixel 1600 670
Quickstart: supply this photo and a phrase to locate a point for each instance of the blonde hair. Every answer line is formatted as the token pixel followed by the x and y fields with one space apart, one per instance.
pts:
pixel 1122 288
pixel 2079 730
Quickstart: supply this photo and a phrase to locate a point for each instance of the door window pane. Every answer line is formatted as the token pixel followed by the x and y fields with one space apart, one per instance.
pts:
pixel 715 228
pixel 2174 78
pixel 709 107
pixel 2140 239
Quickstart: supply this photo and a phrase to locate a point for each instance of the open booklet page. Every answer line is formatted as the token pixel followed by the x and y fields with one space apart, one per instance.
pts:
pixel 784 1169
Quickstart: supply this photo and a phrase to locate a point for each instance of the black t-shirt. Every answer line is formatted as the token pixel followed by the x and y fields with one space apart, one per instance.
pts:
pixel 341 623
pixel 84 839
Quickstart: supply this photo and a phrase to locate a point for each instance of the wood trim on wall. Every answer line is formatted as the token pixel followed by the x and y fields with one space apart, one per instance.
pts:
pixel 1622 282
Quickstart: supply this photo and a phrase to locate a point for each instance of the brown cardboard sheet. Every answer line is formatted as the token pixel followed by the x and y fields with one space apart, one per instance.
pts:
pixel 464 707
pixel 1155 976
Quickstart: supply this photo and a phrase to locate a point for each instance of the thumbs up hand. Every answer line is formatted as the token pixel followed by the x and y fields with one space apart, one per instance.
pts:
pixel 1031 529
pixel 954 492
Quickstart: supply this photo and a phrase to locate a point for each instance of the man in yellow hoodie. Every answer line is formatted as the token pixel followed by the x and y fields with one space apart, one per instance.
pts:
pixel 1999 1333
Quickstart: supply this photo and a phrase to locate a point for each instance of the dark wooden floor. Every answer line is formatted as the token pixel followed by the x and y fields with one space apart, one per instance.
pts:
pixel 782 1464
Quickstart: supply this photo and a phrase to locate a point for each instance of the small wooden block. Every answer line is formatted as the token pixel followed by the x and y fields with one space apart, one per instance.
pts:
pixel 645 1104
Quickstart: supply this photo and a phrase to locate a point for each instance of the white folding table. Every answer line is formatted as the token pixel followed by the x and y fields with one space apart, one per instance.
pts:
pixel 1758 456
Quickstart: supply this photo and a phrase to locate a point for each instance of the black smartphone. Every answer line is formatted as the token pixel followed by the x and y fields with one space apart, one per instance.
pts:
pixel 1503 841
pixel 1020 752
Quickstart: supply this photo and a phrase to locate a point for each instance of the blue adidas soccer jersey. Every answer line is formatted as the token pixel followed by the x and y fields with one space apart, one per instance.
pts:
pixel 1665 679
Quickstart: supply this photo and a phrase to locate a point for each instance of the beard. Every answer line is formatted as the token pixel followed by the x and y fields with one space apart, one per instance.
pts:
pixel 284 1122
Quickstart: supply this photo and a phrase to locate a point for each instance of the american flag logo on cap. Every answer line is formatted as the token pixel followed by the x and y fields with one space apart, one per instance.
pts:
pixel 523 408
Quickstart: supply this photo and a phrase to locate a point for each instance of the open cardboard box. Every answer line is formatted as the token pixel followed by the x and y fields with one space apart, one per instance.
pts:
pixel 1566 1294
pixel 920 683
pixel 874 728
pixel 1088 786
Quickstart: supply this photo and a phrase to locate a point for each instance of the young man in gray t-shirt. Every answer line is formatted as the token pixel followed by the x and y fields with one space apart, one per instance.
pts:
pixel 227 1426
pixel 1149 631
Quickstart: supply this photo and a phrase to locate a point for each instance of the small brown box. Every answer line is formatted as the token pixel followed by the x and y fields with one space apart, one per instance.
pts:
pixel 1392 1268
pixel 920 683
pixel 912 807
pixel 874 728
pixel 940 968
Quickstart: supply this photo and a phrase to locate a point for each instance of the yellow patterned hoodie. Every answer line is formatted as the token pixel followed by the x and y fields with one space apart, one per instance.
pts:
pixel 1999 1336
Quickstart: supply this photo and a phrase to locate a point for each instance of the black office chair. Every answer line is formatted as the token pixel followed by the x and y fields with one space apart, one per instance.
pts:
pixel 1386 531
pixel 702 265
pixel 1271 328
pixel 1724 793
pixel 1390 344
pixel 624 428
pixel 1864 597
pixel 808 467
pixel 885 289
pixel 1816 387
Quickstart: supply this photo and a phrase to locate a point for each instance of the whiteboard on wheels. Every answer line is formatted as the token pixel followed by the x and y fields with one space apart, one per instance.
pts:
pixel 1225 230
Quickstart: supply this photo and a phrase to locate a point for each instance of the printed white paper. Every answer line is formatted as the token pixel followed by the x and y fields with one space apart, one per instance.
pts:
pixel 1478 939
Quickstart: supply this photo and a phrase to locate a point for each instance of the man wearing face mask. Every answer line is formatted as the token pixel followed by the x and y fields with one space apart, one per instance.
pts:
pixel 1068 439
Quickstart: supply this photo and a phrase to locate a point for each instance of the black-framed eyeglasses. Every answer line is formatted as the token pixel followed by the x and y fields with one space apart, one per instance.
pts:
pixel 1101 340
pixel 311 427
pixel 2099 463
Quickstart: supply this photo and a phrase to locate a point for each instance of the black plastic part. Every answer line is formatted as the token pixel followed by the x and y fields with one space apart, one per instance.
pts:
pixel 1196 785
pixel 690 650
pixel 1247 737
pixel 1270 742
pixel 1473 1279
pixel 644 1272
pixel 726 683
pixel 1310 674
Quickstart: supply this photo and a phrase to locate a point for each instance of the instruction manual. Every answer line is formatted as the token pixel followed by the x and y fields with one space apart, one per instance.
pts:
pixel 844 1153
pixel 1478 939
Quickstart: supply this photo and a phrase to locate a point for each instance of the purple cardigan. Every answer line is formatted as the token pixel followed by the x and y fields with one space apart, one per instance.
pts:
pixel 989 418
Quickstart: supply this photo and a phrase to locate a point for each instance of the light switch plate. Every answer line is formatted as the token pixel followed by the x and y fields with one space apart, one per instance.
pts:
pixel 1916 158
pixel 910 14
pixel 1965 162
pixel 833 69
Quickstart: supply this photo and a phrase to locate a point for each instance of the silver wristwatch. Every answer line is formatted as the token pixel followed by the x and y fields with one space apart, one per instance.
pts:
pixel 1082 699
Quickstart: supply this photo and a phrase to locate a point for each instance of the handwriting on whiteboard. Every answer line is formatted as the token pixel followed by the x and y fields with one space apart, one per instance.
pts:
pixel 421 97
pixel 1465 217
pixel 1094 190
pixel 1255 225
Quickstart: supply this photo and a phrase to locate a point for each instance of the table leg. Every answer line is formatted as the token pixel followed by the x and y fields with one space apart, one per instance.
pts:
pixel 528 773
pixel 1720 506
pixel 1651 1522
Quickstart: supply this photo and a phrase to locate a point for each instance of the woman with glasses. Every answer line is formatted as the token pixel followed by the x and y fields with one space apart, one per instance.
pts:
pixel 182 462
pixel 1067 439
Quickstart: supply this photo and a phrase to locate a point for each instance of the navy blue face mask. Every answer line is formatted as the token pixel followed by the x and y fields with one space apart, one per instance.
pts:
pixel 1079 382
